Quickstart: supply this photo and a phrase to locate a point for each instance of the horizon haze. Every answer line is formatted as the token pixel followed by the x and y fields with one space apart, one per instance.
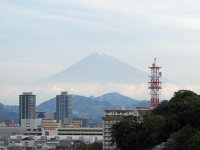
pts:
pixel 41 38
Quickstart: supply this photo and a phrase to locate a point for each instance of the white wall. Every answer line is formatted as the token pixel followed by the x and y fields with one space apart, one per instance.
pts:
pixel 29 124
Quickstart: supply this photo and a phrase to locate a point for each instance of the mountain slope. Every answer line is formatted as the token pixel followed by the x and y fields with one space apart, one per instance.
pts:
pixel 11 112
pixel 82 107
pixel 99 68
pixel 92 107
pixel 117 99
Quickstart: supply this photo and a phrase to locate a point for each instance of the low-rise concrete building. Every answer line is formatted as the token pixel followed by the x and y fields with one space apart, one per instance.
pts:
pixel 87 134
pixel 50 123
pixel 29 124
pixel 111 117
pixel 44 115
pixel 142 111
pixel 34 132
pixel 53 142
pixel 1 143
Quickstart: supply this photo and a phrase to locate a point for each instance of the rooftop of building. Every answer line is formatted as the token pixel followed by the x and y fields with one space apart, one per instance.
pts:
pixel 27 93
pixel 143 108
pixel 119 110
pixel 64 93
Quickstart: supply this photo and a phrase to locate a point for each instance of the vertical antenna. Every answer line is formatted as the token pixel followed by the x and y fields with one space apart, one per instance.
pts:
pixel 155 84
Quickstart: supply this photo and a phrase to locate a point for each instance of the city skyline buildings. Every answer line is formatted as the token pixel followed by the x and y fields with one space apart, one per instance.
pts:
pixel 64 108
pixel 27 110
pixel 27 106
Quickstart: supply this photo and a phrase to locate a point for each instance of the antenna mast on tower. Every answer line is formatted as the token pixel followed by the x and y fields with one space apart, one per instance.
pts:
pixel 155 85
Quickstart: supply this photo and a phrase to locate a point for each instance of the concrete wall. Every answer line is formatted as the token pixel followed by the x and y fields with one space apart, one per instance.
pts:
pixel 29 124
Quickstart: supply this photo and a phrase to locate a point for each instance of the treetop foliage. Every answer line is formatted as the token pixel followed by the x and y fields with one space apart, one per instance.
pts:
pixel 177 119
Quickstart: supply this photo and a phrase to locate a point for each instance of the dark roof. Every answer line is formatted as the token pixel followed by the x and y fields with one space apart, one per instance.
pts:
pixel 112 118
pixel 64 142
pixel 120 110
pixel 40 114
pixel 27 138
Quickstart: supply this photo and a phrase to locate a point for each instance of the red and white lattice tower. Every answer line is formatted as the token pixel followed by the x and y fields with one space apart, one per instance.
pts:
pixel 155 85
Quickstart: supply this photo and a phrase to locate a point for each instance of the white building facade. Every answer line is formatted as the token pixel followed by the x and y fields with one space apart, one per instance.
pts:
pixel 75 133
pixel 111 117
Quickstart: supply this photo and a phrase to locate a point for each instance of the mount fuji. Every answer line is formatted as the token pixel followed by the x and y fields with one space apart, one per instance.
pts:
pixel 99 68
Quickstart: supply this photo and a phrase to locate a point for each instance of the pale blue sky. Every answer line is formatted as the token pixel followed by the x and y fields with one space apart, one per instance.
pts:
pixel 41 37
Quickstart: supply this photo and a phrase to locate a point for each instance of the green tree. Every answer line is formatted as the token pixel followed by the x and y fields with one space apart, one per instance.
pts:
pixel 154 127
pixel 183 138
pixel 127 134
pixel 179 117
pixel 95 146
pixel 194 142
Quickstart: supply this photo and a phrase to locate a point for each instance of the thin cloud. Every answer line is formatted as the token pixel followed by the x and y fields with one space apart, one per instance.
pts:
pixel 91 24
pixel 185 22
pixel 33 66
pixel 9 94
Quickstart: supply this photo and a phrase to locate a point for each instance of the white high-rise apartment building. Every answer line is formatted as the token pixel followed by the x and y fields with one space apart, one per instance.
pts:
pixel 111 117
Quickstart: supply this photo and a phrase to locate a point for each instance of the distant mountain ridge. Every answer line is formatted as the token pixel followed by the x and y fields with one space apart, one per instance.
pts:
pixel 93 107
pixel 7 111
pixel 82 107
pixel 117 99
pixel 99 68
